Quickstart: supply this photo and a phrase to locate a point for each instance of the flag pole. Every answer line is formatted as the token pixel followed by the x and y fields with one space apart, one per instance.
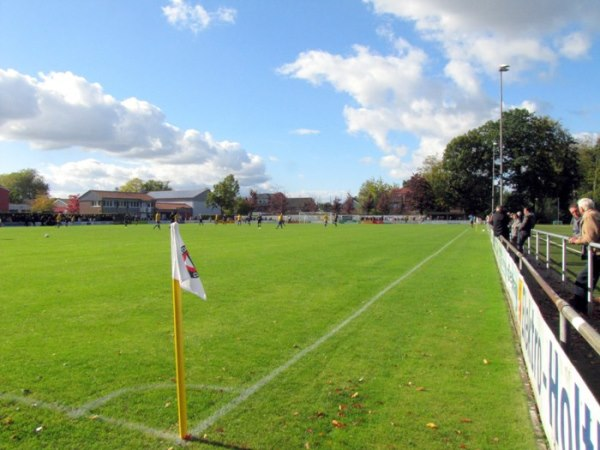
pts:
pixel 179 360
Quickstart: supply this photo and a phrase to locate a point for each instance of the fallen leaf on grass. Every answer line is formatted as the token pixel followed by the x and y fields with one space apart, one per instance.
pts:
pixel 420 389
pixel 466 420
pixel 432 425
pixel 337 424
pixel 354 395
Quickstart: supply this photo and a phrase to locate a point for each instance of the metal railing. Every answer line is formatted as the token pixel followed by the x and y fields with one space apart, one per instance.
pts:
pixel 570 256
pixel 567 314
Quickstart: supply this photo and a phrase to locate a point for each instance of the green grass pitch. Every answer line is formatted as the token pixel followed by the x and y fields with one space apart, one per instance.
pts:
pixel 360 336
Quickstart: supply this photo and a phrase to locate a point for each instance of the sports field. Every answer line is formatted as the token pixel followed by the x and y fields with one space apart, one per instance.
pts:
pixel 360 336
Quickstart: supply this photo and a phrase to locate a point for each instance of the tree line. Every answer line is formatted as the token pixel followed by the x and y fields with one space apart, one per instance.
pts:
pixel 543 166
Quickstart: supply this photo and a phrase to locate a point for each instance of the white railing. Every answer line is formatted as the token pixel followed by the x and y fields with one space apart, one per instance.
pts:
pixel 567 314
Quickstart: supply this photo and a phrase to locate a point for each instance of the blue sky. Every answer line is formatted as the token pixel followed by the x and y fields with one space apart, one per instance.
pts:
pixel 310 98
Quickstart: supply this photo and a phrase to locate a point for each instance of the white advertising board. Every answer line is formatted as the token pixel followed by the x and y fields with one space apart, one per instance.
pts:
pixel 568 410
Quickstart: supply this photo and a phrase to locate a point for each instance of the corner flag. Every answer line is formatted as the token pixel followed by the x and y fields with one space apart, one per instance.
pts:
pixel 183 268
pixel 185 276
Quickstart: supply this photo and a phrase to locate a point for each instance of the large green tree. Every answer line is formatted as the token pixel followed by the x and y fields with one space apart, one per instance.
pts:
pixel 539 163
pixel 541 160
pixel 27 184
pixel 467 164
pixel 589 169
pixel 224 195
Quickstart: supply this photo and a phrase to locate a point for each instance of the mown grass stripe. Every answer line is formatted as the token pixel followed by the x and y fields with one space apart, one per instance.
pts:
pixel 202 426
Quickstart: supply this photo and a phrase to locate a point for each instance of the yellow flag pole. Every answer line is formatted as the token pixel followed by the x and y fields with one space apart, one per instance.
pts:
pixel 179 360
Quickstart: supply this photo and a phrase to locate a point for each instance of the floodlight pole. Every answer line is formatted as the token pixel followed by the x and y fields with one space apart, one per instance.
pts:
pixel 502 68
pixel 493 174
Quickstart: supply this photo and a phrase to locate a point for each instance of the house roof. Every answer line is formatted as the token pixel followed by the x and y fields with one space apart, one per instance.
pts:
pixel 99 195
pixel 179 195
pixel 166 206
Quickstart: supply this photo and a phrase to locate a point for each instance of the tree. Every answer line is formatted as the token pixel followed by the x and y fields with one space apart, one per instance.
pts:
pixel 348 205
pixel 369 194
pixel 24 185
pixel 278 203
pixel 541 160
pixel 433 171
pixel 309 206
pixel 139 185
pixel 224 195
pixel 42 204
pixel 539 163
pixel 73 204
pixel 589 169
pixel 383 203
pixel 133 185
pixel 336 206
pixel 468 164
pixel 420 194
pixel 155 185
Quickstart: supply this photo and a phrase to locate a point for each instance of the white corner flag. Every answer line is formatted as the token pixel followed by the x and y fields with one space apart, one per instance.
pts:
pixel 183 268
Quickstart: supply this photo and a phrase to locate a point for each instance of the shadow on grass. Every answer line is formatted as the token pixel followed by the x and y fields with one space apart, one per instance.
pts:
pixel 216 444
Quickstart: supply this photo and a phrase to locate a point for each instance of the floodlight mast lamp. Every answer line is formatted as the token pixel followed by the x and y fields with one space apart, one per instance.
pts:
pixel 501 68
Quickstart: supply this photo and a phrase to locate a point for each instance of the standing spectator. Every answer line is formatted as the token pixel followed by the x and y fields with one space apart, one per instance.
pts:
pixel 156 221
pixel 259 220
pixel 575 219
pixel 500 222
pixel 525 228
pixel 590 233
pixel 576 226
pixel 280 221
pixel 515 224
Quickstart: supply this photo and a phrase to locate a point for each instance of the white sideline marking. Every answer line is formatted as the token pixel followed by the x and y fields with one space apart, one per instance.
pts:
pixel 244 394
pixel 73 413
pixel 94 404
pixel 202 426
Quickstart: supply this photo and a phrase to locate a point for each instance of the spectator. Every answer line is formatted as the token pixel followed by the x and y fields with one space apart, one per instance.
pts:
pixel 525 228
pixel 575 219
pixel 590 233
pixel 576 226
pixel 514 227
pixel 500 222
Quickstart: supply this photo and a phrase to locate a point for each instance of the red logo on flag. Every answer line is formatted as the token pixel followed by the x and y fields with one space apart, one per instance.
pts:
pixel 189 264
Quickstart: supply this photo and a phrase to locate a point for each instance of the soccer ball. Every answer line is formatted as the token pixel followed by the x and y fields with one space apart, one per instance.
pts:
pixel 46 235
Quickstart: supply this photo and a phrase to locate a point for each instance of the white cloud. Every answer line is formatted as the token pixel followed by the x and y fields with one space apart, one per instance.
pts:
pixel 195 18
pixel 62 110
pixel 305 131
pixel 395 95
pixel 574 45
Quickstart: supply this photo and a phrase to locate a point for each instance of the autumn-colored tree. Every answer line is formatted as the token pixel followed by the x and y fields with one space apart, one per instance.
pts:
pixel 309 205
pixel 278 203
pixel 348 205
pixel 336 206
pixel 42 204
pixel 73 204
pixel 419 195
